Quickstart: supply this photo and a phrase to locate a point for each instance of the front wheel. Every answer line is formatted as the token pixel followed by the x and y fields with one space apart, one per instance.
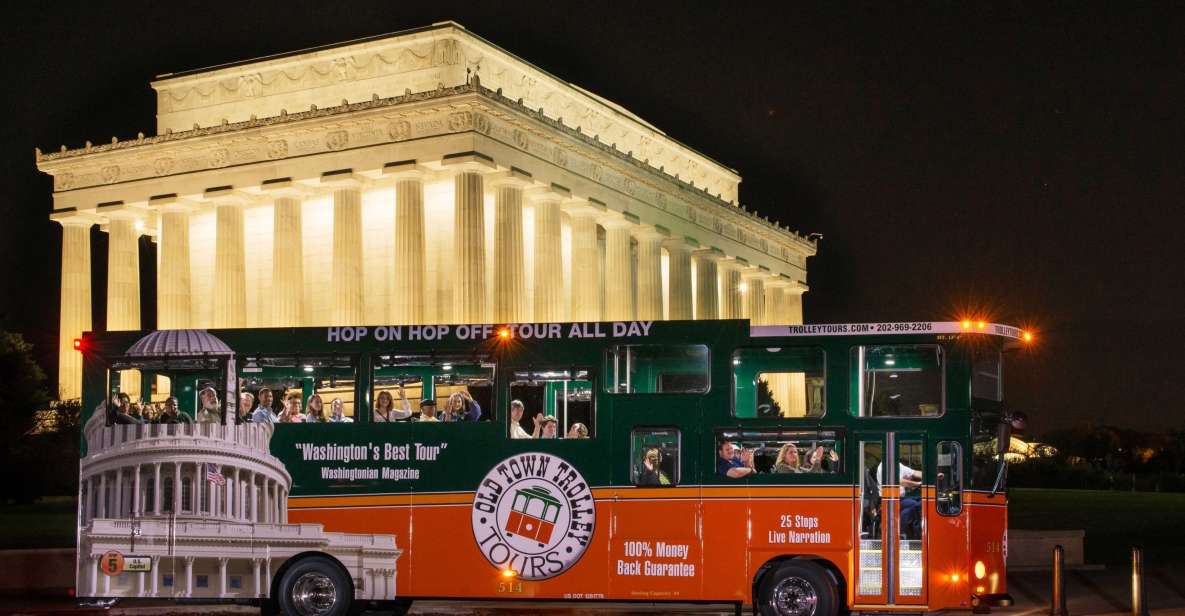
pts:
pixel 314 586
pixel 797 588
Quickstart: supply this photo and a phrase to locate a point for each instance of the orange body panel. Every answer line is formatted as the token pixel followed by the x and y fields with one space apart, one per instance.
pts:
pixel 680 544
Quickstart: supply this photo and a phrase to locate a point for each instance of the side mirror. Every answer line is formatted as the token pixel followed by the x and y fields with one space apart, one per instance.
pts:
pixel 1003 437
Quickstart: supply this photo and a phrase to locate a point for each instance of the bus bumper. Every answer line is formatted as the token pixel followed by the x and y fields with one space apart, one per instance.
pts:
pixel 999 599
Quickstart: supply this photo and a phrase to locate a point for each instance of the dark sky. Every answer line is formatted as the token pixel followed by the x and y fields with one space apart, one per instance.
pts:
pixel 1020 160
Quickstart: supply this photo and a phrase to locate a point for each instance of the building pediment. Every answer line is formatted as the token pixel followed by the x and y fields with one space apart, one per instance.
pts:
pixel 440 56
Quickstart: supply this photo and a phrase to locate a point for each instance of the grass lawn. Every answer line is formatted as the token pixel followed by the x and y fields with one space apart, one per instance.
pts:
pixel 1113 521
pixel 48 523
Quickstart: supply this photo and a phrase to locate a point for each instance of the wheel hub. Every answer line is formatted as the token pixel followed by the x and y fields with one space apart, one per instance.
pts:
pixel 794 596
pixel 314 594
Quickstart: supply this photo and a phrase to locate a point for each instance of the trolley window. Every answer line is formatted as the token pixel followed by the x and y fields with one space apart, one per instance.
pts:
pixel 898 381
pixel 551 402
pixel 781 455
pixel 778 382
pixel 654 457
pixel 657 369
pixel 460 388
pixel 326 386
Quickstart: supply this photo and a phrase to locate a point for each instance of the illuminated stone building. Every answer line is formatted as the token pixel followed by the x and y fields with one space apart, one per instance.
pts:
pixel 426 176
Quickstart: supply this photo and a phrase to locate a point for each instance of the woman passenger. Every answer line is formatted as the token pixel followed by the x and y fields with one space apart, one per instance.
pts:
pixel 788 460
pixel 291 412
pixel 384 407
pixel 650 474
pixel 577 430
pixel 461 407
pixel 314 411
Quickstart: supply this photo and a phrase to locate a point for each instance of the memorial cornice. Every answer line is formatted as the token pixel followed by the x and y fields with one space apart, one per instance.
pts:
pixel 467 108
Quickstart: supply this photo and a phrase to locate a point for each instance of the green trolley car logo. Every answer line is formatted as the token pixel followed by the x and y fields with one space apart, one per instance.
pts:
pixel 533 514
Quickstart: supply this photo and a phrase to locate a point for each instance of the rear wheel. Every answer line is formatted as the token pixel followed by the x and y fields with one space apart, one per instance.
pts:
pixel 314 586
pixel 797 588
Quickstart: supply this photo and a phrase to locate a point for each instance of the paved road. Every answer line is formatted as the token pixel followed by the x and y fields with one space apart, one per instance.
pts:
pixel 1088 592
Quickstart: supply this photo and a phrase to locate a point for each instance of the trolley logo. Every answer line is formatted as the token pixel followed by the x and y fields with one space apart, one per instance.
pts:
pixel 533 514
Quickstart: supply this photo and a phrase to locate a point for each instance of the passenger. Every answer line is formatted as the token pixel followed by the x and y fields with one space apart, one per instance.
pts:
pixel 246 400
pixel 788 460
pixel 550 427
pixel 911 498
pixel 263 413
pixel 384 407
pixel 314 410
pixel 577 430
pixel 516 417
pixel 170 415
pixel 208 402
pixel 461 407
pixel 120 410
pixel 428 410
pixel 291 412
pixel 733 461
pixel 136 412
pixel 337 412
pixel 822 460
pixel 650 474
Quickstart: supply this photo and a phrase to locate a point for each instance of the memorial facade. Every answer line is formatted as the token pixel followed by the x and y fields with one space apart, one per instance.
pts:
pixel 426 176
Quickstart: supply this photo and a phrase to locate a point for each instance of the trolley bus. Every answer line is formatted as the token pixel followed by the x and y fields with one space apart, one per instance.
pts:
pixel 801 470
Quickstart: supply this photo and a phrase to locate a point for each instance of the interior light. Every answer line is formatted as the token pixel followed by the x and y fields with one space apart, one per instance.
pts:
pixel 894 396
pixel 447 366
pixel 980 570
pixel 890 362
pixel 308 368
pixel 736 362
pixel 893 375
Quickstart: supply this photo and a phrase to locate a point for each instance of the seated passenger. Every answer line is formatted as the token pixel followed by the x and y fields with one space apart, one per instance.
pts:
pixel 120 410
pixel 428 410
pixel 208 402
pixel 337 412
pixel 170 414
pixel 550 427
pixel 314 410
pixel 577 430
pixel 910 481
pixel 384 407
pixel 788 460
pixel 461 407
pixel 650 473
pixel 246 401
pixel 822 461
pixel 263 413
pixel 291 412
pixel 516 417
pixel 733 461
pixel 136 412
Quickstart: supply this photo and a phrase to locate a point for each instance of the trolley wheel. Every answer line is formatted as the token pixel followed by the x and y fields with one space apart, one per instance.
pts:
pixel 314 586
pixel 797 588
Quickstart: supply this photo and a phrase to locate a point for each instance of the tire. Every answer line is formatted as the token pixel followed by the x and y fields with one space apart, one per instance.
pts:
pixel 797 588
pixel 315 586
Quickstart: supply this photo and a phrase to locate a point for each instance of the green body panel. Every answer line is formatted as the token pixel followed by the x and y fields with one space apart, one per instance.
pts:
pixel 467 450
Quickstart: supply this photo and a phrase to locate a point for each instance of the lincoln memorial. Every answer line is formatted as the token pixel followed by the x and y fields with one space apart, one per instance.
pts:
pixel 426 176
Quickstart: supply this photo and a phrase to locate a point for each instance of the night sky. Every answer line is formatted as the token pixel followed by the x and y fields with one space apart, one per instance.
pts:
pixel 1019 162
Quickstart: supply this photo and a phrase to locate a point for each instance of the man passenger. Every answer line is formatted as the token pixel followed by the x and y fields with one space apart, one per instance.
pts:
pixel 208 402
pixel 516 416
pixel 246 400
pixel 732 465
pixel 263 413
pixel 428 410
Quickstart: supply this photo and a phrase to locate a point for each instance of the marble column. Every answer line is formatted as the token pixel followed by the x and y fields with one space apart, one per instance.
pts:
pixel 137 498
pixel 679 279
pixel 549 263
pixel 123 280
pixel 256 564
pixel 188 576
pixel 173 292
pixel 117 502
pixel 707 291
pixel 75 314
pixel 230 265
pixel 156 487
pixel 407 300
pixel 753 298
pixel 468 247
pixel 286 299
pixel 177 489
pixel 731 305
pixel 510 277
pixel 222 562
pixel 103 495
pixel 586 261
pixel 649 271
pixel 775 301
pixel 619 270
pixel 794 303
pixel 347 301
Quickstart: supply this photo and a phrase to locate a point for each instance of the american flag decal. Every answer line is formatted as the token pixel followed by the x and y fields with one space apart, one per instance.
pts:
pixel 214 475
